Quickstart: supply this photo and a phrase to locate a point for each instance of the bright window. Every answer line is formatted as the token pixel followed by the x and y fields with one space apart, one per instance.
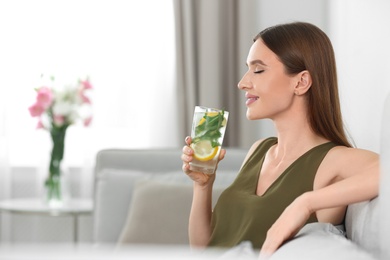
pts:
pixel 126 48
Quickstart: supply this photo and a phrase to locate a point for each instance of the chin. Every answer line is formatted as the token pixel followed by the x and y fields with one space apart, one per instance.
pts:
pixel 250 116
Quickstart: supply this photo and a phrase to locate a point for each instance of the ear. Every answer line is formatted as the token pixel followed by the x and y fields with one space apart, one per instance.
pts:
pixel 304 83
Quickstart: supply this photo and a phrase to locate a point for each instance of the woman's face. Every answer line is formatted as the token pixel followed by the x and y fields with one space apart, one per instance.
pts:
pixel 269 91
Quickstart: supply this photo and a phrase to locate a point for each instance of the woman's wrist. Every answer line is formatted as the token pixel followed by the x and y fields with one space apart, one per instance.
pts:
pixel 306 201
pixel 203 187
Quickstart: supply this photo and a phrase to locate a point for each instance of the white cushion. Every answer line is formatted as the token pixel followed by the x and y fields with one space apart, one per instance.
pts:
pixel 362 227
pixel 320 241
pixel 114 193
pixel 384 193
pixel 159 213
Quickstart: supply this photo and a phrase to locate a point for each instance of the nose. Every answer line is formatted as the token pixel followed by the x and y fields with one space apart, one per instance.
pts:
pixel 244 83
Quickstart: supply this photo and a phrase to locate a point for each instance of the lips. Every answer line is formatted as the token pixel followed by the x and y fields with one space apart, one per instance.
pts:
pixel 250 98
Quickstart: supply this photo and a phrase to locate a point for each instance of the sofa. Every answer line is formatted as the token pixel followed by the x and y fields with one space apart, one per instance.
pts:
pixel 143 200
pixel 143 197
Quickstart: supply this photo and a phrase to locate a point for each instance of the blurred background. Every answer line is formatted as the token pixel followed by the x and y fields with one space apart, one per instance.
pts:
pixel 151 62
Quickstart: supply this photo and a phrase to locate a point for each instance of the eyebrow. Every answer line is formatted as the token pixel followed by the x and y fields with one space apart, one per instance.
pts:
pixel 254 62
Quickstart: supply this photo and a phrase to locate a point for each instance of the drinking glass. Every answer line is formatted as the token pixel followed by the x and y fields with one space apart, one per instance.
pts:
pixel 207 133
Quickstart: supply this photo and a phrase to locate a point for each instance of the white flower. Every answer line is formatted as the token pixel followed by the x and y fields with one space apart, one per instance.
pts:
pixel 65 105
pixel 62 108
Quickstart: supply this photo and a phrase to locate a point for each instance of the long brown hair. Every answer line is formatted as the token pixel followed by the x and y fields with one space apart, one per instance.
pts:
pixel 303 46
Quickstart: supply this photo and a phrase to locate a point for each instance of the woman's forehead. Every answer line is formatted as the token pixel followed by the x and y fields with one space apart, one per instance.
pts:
pixel 259 53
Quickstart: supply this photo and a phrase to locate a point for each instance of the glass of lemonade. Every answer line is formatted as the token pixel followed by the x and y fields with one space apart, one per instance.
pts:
pixel 208 130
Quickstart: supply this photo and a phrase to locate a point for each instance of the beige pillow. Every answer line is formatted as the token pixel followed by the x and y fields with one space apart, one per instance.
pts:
pixel 159 213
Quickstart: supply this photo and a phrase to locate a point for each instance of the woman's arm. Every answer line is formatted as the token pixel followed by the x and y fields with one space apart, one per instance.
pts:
pixel 199 228
pixel 359 174
pixel 201 209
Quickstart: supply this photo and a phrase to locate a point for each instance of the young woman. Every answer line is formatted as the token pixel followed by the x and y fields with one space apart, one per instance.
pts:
pixel 309 172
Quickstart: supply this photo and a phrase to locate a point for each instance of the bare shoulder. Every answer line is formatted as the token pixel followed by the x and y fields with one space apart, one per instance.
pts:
pixel 255 145
pixel 347 155
pixel 344 162
pixel 252 149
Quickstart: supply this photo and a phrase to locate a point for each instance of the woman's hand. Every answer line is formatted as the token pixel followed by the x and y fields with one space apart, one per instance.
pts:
pixel 287 225
pixel 200 178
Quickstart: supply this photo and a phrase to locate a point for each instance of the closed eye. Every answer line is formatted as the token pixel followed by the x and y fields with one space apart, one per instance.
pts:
pixel 259 71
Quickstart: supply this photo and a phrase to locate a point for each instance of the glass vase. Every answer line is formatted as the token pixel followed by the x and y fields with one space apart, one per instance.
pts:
pixel 54 182
pixel 53 186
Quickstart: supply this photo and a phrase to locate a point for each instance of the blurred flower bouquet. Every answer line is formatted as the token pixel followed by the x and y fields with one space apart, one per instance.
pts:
pixel 56 109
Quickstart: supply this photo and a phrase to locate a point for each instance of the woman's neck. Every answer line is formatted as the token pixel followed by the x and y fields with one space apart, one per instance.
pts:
pixel 295 137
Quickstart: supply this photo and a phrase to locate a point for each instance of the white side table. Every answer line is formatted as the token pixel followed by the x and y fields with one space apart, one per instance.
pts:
pixel 73 208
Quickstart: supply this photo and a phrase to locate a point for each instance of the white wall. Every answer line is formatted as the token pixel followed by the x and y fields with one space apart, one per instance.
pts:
pixel 360 33
pixel 265 13
pixel 284 11
pixel 248 28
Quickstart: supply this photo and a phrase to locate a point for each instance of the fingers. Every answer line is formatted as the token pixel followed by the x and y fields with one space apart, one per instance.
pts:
pixel 188 152
pixel 186 156
pixel 186 168
pixel 269 247
pixel 188 140
pixel 287 225
pixel 222 154
pixel 263 256
pixel 273 241
pixel 186 161
pixel 277 234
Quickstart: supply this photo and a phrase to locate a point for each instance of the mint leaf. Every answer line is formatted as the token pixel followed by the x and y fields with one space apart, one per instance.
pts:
pixel 210 129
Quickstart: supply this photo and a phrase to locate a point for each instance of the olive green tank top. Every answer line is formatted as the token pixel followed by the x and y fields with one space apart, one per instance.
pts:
pixel 241 215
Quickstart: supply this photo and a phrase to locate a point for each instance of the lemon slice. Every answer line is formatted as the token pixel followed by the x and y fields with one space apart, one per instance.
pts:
pixel 203 151
pixel 210 114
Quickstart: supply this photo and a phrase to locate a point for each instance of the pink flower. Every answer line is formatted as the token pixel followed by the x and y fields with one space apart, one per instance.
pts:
pixel 40 125
pixel 62 107
pixel 86 84
pixel 88 121
pixel 44 97
pixel 84 98
pixel 58 120
pixel 36 109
